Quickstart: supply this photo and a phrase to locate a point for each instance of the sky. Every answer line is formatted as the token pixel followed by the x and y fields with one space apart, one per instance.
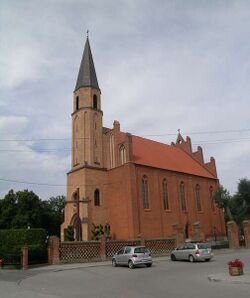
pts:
pixel 162 65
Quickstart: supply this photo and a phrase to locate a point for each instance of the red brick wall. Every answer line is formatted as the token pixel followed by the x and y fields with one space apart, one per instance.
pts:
pixel 122 202
pixel 157 222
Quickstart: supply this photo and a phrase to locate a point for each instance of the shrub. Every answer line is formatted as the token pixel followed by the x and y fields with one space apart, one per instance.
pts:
pixel 97 231
pixel 37 254
pixel 69 233
pixel 13 240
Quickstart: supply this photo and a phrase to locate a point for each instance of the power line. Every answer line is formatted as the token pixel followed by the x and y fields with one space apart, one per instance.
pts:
pixel 35 150
pixel 146 135
pixel 201 132
pixel 55 185
pixel 222 141
pixel 218 141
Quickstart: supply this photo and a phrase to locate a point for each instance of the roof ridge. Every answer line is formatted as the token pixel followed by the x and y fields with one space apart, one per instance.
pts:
pixel 201 164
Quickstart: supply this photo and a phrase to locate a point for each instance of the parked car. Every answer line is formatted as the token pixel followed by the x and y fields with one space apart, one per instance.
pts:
pixel 192 252
pixel 132 256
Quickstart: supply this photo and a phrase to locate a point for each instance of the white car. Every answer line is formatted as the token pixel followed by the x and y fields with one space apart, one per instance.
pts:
pixel 192 252
pixel 132 256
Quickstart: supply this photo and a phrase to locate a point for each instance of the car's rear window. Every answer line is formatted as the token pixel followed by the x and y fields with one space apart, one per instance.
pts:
pixel 203 245
pixel 141 250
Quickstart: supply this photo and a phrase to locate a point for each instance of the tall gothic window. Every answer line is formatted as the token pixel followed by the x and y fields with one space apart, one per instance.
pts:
pixel 183 197
pixel 211 194
pixel 145 192
pixel 165 194
pixel 198 197
pixel 122 151
pixel 97 197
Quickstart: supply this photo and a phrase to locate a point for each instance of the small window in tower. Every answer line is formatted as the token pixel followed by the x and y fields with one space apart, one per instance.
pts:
pixel 95 101
pixel 97 197
pixel 77 103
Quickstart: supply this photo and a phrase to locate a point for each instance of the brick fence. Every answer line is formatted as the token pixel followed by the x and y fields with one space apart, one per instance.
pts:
pixel 88 251
pixel 233 234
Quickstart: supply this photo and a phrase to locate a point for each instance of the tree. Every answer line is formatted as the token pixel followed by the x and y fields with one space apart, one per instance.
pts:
pixel 236 207
pixel 28 210
pixel 224 200
pixel 241 201
pixel 20 210
pixel 54 208
pixel 8 208
pixel 25 209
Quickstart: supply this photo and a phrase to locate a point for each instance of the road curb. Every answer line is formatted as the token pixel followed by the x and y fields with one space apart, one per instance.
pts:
pixel 243 279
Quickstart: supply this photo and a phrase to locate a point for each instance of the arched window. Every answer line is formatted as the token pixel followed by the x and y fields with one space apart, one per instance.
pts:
pixel 198 197
pixel 95 101
pixel 211 194
pixel 97 197
pixel 183 197
pixel 165 194
pixel 145 192
pixel 122 151
pixel 77 103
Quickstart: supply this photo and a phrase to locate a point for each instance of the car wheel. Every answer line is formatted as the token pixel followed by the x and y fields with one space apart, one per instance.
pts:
pixel 207 260
pixel 191 259
pixel 130 265
pixel 114 263
pixel 173 258
pixel 148 265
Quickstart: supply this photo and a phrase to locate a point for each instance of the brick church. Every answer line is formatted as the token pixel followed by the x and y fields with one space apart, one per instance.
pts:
pixel 135 185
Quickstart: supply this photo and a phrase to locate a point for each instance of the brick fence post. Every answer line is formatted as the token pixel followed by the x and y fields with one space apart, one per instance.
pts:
pixel 25 257
pixel 53 250
pixel 233 234
pixel 246 228
pixel 103 248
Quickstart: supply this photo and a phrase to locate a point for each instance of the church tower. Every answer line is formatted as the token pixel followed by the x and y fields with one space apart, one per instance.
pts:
pixel 87 115
pixel 85 179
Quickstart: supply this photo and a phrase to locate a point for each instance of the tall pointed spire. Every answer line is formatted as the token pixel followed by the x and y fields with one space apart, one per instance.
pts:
pixel 87 76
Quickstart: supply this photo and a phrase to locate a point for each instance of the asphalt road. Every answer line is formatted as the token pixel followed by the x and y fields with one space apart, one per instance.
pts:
pixel 163 279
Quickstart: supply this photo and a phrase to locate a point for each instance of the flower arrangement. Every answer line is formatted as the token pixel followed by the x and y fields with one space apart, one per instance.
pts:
pixel 235 267
pixel 236 263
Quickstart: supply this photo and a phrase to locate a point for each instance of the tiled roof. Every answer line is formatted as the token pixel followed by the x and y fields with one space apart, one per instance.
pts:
pixel 87 75
pixel 154 154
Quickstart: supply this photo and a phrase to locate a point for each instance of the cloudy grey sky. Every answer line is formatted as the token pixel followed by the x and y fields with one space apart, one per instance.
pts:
pixel 161 66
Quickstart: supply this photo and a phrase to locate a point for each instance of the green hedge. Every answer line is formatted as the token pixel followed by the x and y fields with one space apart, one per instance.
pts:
pixel 12 240
pixel 37 254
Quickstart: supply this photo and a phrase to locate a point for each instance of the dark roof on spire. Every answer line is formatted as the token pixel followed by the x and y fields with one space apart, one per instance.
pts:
pixel 87 76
